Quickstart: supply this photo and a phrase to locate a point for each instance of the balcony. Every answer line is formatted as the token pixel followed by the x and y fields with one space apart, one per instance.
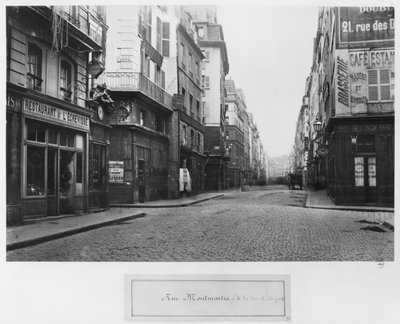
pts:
pixel 137 82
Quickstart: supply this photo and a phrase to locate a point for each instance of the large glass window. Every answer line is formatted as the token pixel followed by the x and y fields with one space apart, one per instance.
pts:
pixel 35 171
pixel 359 171
pixel 372 171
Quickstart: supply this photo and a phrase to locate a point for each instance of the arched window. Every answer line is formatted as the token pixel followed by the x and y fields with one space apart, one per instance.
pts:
pixel 34 74
pixel 65 81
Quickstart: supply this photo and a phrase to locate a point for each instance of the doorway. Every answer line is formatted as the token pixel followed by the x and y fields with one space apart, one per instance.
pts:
pixel 365 177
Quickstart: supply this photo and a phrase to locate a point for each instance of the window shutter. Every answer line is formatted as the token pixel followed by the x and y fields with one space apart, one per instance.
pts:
pixel 165 39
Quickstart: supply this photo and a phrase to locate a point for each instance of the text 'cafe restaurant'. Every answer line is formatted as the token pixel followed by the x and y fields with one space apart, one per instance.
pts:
pixel 46 157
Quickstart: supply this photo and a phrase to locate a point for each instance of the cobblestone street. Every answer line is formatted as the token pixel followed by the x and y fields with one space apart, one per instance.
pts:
pixel 256 225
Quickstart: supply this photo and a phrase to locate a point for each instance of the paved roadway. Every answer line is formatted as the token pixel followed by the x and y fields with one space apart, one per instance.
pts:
pixel 257 225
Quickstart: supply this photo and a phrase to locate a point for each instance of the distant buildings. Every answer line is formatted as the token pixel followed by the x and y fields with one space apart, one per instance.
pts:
pixel 345 130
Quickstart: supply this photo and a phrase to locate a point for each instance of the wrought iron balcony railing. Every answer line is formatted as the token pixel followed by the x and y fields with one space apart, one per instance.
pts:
pixel 134 81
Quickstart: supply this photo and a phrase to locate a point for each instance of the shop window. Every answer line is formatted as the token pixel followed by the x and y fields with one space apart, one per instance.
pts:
pixel 65 81
pixel 359 171
pixel 378 85
pixel 51 171
pixel 372 171
pixel 53 136
pixel 34 74
pixel 79 174
pixel 35 171
pixel 67 139
pixel 35 132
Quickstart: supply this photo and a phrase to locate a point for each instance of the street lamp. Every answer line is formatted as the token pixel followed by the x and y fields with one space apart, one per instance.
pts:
pixel 317 125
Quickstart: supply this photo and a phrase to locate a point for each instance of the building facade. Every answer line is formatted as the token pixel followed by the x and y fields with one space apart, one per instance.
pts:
pixel 214 69
pixel 136 67
pixel 352 105
pixel 234 135
pixel 50 53
pixel 188 110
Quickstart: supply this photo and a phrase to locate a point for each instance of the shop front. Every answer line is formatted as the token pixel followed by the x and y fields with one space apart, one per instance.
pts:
pixel 361 161
pixel 51 156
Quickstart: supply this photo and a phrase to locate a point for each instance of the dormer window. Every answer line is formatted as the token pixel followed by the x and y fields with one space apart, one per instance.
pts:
pixel 65 81
pixel 34 74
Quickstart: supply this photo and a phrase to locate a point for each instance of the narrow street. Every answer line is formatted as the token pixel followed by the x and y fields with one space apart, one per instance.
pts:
pixel 262 224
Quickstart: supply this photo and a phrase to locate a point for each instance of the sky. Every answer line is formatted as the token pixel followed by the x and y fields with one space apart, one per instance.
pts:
pixel 270 52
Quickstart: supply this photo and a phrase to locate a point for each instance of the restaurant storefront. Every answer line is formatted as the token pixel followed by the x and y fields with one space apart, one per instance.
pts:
pixel 47 158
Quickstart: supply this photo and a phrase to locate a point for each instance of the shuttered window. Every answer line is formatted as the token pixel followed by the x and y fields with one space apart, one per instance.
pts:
pixel 378 85
pixel 165 39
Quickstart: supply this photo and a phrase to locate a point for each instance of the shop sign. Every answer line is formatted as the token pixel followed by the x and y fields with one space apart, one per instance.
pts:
pixel 116 171
pixel 13 103
pixel 342 80
pixel 366 24
pixel 35 108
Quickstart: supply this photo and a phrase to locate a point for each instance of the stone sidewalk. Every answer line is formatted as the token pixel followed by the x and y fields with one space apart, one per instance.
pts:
pixel 320 200
pixel 51 228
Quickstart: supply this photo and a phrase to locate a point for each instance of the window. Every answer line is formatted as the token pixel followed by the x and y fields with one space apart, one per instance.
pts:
pixel 147 67
pixel 65 81
pixel 142 116
pixel 159 123
pixel 190 103
pixel 182 56
pixel 378 85
pixel 198 109
pixel 207 82
pixel 190 65
pixel 163 79
pixel 34 74
pixel 157 75
pixel 184 96
pixel 192 144
pixel 158 35
pixel 197 71
pixel 207 55
pixel 165 39
pixel 201 32
pixel 35 132
pixel 149 21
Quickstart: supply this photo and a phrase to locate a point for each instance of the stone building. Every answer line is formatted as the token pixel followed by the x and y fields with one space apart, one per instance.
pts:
pixel 53 55
pixel 234 130
pixel 137 63
pixel 352 104
pixel 214 69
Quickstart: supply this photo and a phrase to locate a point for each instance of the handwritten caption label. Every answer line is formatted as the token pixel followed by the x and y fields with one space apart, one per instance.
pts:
pixel 245 297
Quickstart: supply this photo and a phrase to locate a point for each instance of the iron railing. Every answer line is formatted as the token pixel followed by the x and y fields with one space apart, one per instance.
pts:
pixel 134 81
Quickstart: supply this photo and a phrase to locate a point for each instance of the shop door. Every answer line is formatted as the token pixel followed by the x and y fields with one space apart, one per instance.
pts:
pixel 365 177
pixel 66 182
pixel 97 176
pixel 142 180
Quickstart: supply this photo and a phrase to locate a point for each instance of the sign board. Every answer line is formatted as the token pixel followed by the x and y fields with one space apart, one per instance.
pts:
pixel 55 114
pixel 116 171
pixel 342 83
pixel 365 24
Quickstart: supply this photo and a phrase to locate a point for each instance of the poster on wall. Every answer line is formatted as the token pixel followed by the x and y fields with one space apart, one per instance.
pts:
pixel 365 24
pixel 372 81
pixel 116 171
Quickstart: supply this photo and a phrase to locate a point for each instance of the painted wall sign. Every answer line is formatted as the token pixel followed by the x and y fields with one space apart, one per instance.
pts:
pixel 366 24
pixel 14 103
pixel 116 171
pixel 342 83
pixel 50 113
pixel 381 58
